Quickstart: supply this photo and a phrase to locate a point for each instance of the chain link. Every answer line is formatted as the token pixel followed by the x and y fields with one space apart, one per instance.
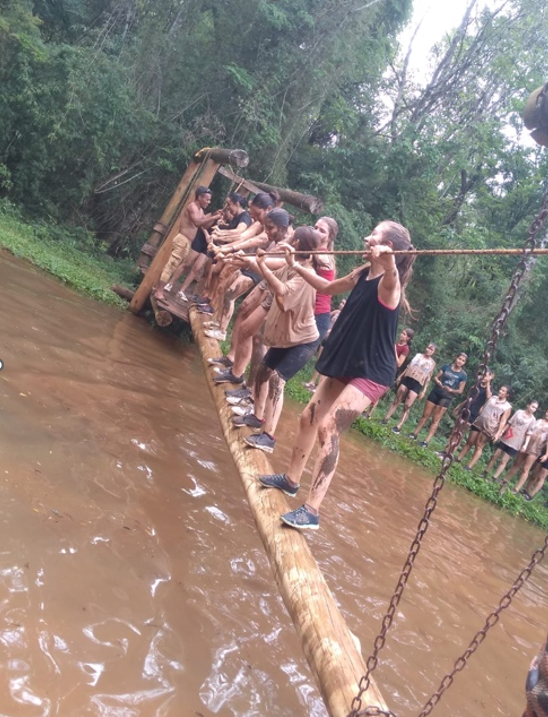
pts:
pixel 431 504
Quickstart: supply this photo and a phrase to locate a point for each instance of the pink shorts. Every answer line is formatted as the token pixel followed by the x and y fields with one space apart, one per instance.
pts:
pixel 373 391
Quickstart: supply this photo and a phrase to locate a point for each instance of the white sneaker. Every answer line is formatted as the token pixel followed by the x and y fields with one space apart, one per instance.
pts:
pixel 242 410
pixel 168 287
pixel 214 324
pixel 216 334
pixel 182 296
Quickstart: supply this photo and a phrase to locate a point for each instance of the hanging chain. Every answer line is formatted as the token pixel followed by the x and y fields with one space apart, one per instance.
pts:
pixel 431 504
pixel 480 636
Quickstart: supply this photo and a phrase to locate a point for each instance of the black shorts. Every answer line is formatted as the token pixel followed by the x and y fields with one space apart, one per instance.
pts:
pixel 199 243
pixel 412 384
pixel 438 397
pixel 256 278
pixel 507 449
pixel 288 362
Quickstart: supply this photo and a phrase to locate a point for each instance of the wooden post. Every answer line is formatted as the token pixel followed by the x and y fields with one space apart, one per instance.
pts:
pixel 326 640
pixel 205 176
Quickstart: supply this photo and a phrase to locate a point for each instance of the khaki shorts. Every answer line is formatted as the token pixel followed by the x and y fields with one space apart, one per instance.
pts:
pixel 179 250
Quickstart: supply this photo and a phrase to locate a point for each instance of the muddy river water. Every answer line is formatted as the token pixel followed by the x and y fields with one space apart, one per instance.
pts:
pixel 132 579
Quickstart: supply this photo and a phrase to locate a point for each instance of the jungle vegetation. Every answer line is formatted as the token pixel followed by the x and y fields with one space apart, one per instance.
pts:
pixel 102 104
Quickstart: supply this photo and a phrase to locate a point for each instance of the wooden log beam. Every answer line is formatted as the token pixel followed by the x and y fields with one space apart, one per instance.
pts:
pixel 326 640
pixel 123 291
pixel 205 176
pixel 233 157
pixel 309 203
pixel 163 317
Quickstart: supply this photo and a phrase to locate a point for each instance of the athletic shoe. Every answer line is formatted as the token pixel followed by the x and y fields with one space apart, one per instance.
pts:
pixel 526 495
pixel 241 410
pixel 235 401
pixel 412 436
pixel 250 420
pixel 395 430
pixel 423 444
pixel 182 296
pixel 204 309
pixel 302 519
pixel 264 441
pixel 440 454
pixel 215 334
pixel 195 299
pixel 238 393
pixel 168 287
pixel 226 376
pixel 220 361
pixel 213 324
pixel 279 481
pixel 384 422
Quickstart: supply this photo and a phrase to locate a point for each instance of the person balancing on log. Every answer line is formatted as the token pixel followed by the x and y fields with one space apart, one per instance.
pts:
pixel 358 363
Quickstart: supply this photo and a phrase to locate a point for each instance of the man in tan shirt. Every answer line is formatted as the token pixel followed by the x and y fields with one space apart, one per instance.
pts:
pixel 193 217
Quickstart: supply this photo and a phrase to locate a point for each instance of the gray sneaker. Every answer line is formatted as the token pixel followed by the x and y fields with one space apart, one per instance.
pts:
pixel 250 420
pixel 238 393
pixel 279 481
pixel 220 361
pixel 226 376
pixel 302 519
pixel 262 441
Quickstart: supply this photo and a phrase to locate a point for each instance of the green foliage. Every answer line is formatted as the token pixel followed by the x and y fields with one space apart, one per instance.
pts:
pixel 70 255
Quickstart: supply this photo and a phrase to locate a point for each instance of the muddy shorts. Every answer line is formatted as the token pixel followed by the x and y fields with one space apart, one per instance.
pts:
pixel 288 362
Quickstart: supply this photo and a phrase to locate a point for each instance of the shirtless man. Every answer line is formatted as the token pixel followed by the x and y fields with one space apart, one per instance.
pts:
pixel 193 218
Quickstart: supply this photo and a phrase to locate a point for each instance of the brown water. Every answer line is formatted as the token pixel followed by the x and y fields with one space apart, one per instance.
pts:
pixel 132 580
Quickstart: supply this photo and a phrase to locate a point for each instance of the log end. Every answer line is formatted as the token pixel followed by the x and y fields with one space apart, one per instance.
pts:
pixel 123 291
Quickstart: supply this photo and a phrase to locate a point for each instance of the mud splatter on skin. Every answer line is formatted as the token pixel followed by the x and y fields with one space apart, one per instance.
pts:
pixel 312 410
pixel 344 418
pixel 275 387
pixel 328 464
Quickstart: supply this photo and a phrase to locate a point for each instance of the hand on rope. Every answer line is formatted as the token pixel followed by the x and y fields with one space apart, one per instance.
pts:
pixel 431 504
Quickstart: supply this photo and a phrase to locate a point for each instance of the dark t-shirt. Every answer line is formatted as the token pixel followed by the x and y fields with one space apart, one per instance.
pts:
pixel 361 342
pixel 241 218
pixel 452 379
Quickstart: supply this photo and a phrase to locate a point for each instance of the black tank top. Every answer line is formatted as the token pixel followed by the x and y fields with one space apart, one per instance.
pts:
pixel 361 343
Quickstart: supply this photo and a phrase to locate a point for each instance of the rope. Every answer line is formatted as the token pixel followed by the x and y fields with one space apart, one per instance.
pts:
pixel 429 252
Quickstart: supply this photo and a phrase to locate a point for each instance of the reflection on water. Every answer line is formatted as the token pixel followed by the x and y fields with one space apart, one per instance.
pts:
pixel 132 580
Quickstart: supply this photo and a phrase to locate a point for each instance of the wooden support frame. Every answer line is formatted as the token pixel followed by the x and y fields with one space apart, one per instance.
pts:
pixel 327 642
pixel 201 170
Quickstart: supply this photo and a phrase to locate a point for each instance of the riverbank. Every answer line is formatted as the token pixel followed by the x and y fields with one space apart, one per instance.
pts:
pixel 534 512
pixel 71 255
pixel 75 259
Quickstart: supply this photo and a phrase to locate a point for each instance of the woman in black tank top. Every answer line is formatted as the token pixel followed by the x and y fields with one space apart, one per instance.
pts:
pixel 358 363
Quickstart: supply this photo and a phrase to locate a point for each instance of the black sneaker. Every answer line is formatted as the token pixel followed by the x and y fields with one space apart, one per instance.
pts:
pixel 279 481
pixel 250 420
pixel 263 441
pixel 227 376
pixel 204 309
pixel 195 299
pixel 395 430
pixel 412 436
pixel 238 393
pixel 220 361
pixel 302 519
pixel 423 444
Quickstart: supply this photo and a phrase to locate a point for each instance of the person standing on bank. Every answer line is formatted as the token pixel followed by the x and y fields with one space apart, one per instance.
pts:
pixel 488 426
pixel 450 381
pixel 358 363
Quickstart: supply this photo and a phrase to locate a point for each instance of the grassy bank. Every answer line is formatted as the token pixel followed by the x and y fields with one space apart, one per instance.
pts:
pixel 70 255
pixel 534 512
pixel 74 258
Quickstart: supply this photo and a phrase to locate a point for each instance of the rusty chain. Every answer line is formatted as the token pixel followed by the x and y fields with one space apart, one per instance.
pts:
pixel 431 504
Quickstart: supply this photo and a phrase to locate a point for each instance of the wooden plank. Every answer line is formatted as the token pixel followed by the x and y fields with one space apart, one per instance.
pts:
pixel 327 642
pixel 204 176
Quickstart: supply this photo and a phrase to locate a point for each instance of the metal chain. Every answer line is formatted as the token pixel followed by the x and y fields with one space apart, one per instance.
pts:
pixel 431 504
pixel 480 636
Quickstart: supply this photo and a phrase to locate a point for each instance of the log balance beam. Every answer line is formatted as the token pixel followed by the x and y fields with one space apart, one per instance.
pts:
pixel 327 643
